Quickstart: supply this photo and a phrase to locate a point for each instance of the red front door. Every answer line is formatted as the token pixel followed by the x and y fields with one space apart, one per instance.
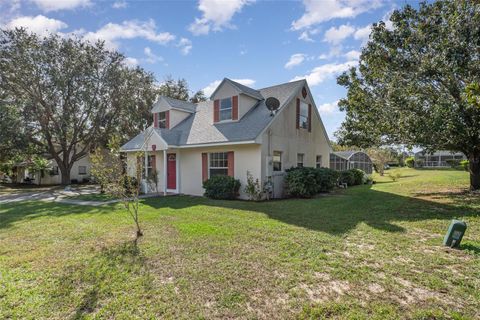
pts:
pixel 171 171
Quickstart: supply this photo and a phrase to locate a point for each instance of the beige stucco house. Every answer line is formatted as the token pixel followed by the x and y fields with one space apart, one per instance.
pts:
pixel 231 134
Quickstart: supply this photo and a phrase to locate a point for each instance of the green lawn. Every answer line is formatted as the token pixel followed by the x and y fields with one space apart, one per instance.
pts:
pixel 367 252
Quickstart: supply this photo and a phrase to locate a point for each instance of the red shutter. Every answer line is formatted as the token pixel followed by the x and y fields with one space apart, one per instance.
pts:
pixel 167 119
pixel 155 120
pixel 204 166
pixel 216 110
pixel 298 113
pixel 231 164
pixel 309 118
pixel 235 108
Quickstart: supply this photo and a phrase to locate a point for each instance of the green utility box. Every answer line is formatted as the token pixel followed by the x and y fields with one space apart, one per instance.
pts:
pixel 455 234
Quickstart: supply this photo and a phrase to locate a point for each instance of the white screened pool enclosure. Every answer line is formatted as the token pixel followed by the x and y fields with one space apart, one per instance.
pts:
pixel 345 160
pixel 437 159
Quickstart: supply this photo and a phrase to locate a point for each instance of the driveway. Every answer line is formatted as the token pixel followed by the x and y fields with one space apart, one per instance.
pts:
pixel 54 193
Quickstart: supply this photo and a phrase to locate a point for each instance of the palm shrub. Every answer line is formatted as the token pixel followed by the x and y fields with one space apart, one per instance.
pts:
pixel 222 187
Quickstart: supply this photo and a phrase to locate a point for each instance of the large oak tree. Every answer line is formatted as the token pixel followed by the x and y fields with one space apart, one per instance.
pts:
pixel 411 84
pixel 72 95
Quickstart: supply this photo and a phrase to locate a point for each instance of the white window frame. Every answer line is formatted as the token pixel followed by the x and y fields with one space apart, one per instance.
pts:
pixel 210 163
pixel 318 164
pixel 302 155
pixel 162 123
pixel 301 124
pixel 280 153
pixel 80 173
pixel 220 109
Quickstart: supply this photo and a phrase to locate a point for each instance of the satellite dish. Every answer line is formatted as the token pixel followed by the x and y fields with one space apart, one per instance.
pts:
pixel 272 104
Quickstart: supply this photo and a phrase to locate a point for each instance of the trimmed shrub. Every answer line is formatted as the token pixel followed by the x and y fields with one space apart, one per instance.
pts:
pixel 347 177
pixel 326 179
pixel 301 182
pixel 465 164
pixel 305 182
pixel 358 175
pixel 222 187
pixel 410 162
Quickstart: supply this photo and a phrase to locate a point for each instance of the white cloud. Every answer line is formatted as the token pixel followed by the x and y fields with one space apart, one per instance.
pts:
pixel 121 4
pixel 386 19
pixel 185 46
pixel 216 14
pixel 337 35
pixel 352 55
pixel 151 57
pixel 112 32
pixel 208 90
pixel 131 62
pixel 295 60
pixel 40 24
pixel 328 108
pixel 306 35
pixel 55 5
pixel 326 71
pixel 321 11
pixel 363 33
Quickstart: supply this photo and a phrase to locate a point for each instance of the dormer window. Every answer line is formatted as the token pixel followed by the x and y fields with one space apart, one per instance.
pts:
pixel 303 116
pixel 162 120
pixel 226 109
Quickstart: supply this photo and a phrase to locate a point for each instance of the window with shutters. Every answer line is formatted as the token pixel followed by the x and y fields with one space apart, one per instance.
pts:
pixel 300 157
pixel 277 161
pixel 218 164
pixel 162 120
pixel 226 109
pixel 303 115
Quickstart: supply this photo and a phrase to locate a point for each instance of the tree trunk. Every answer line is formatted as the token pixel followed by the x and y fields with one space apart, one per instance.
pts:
pixel 65 175
pixel 474 168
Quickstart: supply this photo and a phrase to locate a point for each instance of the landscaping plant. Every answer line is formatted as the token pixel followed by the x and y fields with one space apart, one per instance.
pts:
pixel 410 162
pixel 108 169
pixel 222 187
pixel 253 189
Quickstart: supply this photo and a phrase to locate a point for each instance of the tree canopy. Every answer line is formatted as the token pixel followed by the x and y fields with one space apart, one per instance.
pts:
pixel 68 95
pixel 179 89
pixel 410 86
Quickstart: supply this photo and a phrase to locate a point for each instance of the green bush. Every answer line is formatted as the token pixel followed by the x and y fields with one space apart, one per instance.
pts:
pixel 306 182
pixel 453 163
pixel 301 182
pixel 465 164
pixel 347 177
pixel 359 176
pixel 221 187
pixel 410 162
pixel 326 179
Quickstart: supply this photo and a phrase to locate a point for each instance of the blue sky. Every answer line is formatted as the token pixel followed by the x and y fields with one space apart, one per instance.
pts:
pixel 258 43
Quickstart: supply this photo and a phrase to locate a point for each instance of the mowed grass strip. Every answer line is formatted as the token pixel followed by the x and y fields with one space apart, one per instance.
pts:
pixel 366 252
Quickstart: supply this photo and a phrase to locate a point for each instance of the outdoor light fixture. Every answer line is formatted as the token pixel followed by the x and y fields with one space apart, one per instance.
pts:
pixel 455 234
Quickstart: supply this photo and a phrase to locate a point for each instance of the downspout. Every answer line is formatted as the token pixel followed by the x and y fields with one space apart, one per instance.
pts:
pixel 165 172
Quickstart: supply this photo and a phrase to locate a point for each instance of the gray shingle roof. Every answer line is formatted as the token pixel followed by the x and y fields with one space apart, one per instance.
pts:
pixel 242 88
pixel 199 128
pixel 179 104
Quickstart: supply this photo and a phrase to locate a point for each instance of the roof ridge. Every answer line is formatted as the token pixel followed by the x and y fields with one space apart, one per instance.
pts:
pixel 282 84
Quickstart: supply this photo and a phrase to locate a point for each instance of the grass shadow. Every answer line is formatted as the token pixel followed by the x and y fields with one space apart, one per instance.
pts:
pixel 337 215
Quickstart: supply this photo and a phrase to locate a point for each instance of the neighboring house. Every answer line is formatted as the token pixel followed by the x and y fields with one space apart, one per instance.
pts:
pixel 80 172
pixel 437 159
pixel 231 134
pixel 345 160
